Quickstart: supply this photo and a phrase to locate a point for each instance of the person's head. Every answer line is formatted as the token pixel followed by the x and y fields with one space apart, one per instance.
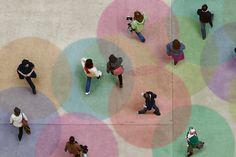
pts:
pixel 89 63
pixel 176 44
pixel 25 63
pixel 16 111
pixel 192 131
pixel 146 95
pixel 71 140
pixel 204 7
pixel 138 16
pixel 112 58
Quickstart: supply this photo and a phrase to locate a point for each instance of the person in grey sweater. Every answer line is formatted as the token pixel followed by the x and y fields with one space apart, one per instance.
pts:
pixel 114 66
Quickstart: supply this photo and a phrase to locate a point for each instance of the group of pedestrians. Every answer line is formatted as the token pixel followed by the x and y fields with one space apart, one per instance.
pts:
pixel 175 49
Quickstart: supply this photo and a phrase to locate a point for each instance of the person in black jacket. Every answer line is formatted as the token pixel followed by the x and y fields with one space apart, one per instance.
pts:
pixel 26 71
pixel 149 103
pixel 205 17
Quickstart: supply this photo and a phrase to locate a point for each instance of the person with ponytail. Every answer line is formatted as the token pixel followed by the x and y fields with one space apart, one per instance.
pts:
pixel 90 72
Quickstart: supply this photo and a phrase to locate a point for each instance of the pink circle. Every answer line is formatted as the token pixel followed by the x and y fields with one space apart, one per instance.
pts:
pixel 87 131
pixel 113 20
pixel 172 98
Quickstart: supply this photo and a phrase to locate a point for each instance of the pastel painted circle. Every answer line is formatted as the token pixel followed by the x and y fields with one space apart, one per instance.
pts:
pixel 139 130
pixel 113 19
pixel 38 109
pixel 87 131
pixel 218 63
pixel 98 50
pixel 212 129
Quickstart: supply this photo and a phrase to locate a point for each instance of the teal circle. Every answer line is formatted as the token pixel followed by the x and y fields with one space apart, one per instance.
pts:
pixel 97 103
pixel 211 128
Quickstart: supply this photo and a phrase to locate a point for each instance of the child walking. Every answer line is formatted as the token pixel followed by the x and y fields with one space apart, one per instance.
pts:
pixel 114 66
pixel 90 72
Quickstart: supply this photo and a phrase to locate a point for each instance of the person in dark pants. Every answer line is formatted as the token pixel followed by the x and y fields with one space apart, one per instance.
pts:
pixel 235 49
pixel 205 17
pixel 16 120
pixel 149 103
pixel 114 66
pixel 193 141
pixel 26 71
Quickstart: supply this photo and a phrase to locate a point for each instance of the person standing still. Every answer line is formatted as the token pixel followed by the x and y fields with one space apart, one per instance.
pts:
pixel 205 17
pixel 16 120
pixel 26 71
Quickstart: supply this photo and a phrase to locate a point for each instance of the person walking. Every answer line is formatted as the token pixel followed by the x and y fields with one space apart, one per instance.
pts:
pixel 26 71
pixel 175 50
pixel 91 71
pixel 193 141
pixel 205 17
pixel 73 147
pixel 149 103
pixel 16 119
pixel 136 24
pixel 114 66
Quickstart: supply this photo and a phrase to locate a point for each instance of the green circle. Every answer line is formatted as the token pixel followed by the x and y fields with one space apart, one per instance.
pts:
pixel 211 128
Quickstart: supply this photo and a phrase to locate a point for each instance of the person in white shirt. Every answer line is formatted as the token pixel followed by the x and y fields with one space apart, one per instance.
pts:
pixel 90 72
pixel 16 120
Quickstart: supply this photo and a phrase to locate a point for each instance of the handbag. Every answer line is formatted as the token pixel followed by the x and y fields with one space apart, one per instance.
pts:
pixel 118 71
pixel 25 125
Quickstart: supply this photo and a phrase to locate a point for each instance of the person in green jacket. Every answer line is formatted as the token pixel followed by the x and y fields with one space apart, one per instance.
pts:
pixel 192 141
pixel 137 24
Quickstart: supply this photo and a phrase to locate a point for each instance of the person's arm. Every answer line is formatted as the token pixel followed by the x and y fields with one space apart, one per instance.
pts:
pixel 108 67
pixel 11 120
pixel 199 11
pixel 120 60
pixel 96 72
pixel 30 72
pixel 182 46
pixel 21 73
pixel 133 25
pixel 65 149
pixel 24 116
pixel 83 60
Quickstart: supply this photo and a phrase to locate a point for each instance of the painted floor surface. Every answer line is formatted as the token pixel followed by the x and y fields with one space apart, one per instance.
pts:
pixel 56 34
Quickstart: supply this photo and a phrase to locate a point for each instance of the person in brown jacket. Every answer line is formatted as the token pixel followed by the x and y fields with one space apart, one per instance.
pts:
pixel 73 147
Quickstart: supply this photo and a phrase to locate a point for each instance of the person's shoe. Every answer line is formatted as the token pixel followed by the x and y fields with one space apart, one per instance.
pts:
pixel 189 154
pixel 34 91
pixel 87 93
pixel 157 113
pixel 140 112
pixel 121 86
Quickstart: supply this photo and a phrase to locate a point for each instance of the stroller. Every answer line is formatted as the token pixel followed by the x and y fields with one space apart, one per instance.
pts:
pixel 129 19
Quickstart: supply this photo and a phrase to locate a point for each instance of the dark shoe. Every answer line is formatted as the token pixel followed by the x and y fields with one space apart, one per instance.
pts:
pixel 140 112
pixel 189 154
pixel 175 63
pixel 121 86
pixel 98 77
pixel 157 113
pixel 34 91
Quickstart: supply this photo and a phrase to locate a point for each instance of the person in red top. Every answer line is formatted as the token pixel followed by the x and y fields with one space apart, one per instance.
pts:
pixel 205 17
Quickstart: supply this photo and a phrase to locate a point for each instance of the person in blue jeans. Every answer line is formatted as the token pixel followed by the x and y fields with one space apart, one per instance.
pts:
pixel 137 24
pixel 90 72
pixel 205 17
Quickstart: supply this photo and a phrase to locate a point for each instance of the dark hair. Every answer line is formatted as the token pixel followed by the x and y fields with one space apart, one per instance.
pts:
pixel 25 61
pixel 138 16
pixel 146 95
pixel 176 44
pixel 17 111
pixel 71 140
pixel 204 7
pixel 112 58
pixel 89 63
